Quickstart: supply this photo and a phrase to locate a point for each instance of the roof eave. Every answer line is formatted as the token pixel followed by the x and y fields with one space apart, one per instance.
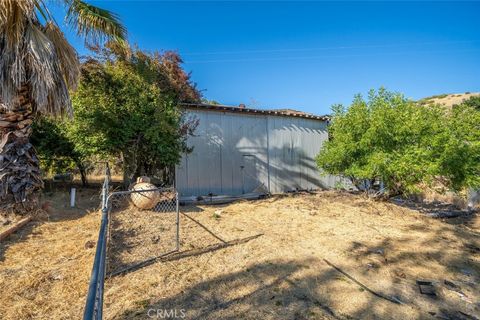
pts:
pixel 252 111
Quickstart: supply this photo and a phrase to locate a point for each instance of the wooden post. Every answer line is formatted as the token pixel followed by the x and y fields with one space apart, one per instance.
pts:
pixel 5 234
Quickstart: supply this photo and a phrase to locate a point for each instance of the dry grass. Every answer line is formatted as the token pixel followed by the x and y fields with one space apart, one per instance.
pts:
pixel 450 100
pixel 8 219
pixel 45 267
pixel 271 267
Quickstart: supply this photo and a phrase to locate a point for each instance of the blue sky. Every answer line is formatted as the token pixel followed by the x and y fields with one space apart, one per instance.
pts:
pixel 310 55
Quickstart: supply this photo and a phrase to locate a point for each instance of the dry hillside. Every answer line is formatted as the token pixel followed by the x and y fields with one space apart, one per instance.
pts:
pixel 449 100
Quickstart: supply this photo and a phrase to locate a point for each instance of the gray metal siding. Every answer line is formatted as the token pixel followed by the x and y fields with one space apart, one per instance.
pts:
pixel 240 153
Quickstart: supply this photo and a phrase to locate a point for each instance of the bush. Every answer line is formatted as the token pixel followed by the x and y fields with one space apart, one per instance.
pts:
pixel 391 139
pixel 125 107
pixel 128 107
pixel 473 101
pixel 56 150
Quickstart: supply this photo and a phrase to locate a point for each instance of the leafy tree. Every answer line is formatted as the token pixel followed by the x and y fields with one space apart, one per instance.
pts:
pixel 473 101
pixel 127 106
pixel 206 101
pixel 38 67
pixel 391 139
pixel 56 150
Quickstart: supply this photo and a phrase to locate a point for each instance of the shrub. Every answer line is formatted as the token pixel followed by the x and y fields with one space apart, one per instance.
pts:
pixel 391 139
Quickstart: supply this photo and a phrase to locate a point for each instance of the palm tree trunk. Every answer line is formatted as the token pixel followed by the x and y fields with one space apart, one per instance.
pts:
pixel 20 178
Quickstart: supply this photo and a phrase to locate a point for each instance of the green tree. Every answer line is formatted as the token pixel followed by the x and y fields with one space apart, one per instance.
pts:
pixel 391 139
pixel 38 67
pixel 56 150
pixel 127 106
pixel 473 101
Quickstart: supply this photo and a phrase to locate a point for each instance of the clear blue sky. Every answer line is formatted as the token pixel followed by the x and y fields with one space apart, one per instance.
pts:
pixel 309 55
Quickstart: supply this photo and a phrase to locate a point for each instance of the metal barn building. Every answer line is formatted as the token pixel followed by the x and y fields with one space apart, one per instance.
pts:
pixel 238 150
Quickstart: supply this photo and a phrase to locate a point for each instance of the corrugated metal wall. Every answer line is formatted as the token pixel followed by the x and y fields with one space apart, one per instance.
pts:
pixel 236 153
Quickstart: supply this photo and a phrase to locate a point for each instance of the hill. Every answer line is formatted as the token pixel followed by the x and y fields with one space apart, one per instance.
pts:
pixel 448 99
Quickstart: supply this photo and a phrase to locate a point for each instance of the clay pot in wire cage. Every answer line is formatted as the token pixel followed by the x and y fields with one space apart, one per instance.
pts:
pixel 145 200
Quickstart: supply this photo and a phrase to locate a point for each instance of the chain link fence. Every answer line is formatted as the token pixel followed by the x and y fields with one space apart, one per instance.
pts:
pixel 144 226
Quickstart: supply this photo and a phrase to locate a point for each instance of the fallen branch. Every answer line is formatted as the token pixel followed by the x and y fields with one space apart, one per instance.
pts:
pixel 5 234
pixel 391 299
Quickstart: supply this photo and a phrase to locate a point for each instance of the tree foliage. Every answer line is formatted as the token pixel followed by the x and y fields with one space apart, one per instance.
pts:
pixel 38 68
pixel 34 52
pixel 391 139
pixel 127 106
pixel 57 151
pixel 473 101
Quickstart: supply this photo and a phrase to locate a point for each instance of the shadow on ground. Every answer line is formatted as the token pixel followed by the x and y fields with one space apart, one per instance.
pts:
pixel 451 245
pixel 377 278
pixel 56 208
pixel 264 291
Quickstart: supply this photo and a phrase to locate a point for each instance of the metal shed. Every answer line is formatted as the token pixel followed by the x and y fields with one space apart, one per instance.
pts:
pixel 238 150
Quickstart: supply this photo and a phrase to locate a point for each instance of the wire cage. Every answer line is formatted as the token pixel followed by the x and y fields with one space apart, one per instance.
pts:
pixel 144 226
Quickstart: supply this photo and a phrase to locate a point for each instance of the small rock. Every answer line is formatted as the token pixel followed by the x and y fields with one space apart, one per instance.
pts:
pixel 372 265
pixel 90 244
pixel 400 274
pixel 56 276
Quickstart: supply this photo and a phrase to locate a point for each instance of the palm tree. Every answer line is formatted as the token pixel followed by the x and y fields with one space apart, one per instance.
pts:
pixel 38 67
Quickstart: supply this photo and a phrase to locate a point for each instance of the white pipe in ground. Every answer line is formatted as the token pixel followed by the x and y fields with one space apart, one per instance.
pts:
pixel 72 197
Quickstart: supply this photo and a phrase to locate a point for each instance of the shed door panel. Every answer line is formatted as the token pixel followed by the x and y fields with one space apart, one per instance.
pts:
pixel 250 173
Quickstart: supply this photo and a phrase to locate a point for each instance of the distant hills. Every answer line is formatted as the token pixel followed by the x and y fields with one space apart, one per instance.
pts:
pixel 448 100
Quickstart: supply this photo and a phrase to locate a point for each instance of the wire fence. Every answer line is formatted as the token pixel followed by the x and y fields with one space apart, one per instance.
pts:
pixel 94 304
pixel 144 226
pixel 137 227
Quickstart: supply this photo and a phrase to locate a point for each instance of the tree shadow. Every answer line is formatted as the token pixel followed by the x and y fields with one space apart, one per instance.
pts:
pixel 269 290
pixel 282 156
pixel 407 259
pixel 378 277
pixel 292 289
pixel 178 255
pixel 56 206
pixel 136 235
pixel 17 237
pixel 139 238
pixel 433 209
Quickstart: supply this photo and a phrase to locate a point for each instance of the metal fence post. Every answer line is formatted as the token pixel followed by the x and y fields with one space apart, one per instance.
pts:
pixel 177 243
pixel 94 302
pixel 98 274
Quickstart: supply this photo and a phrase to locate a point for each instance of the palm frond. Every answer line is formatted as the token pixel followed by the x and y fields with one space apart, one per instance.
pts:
pixel 43 11
pixel 66 55
pixel 14 14
pixel 93 23
pixel 39 57
pixel 48 86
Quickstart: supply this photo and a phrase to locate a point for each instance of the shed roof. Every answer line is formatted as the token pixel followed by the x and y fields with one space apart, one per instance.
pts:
pixel 276 112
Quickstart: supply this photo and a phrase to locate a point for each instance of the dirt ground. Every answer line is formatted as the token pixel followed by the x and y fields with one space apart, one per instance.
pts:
pixel 328 255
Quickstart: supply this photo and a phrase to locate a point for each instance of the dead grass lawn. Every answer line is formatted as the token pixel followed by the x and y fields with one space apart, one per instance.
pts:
pixel 271 265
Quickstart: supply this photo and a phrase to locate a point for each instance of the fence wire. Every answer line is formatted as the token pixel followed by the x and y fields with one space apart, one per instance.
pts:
pixel 144 225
